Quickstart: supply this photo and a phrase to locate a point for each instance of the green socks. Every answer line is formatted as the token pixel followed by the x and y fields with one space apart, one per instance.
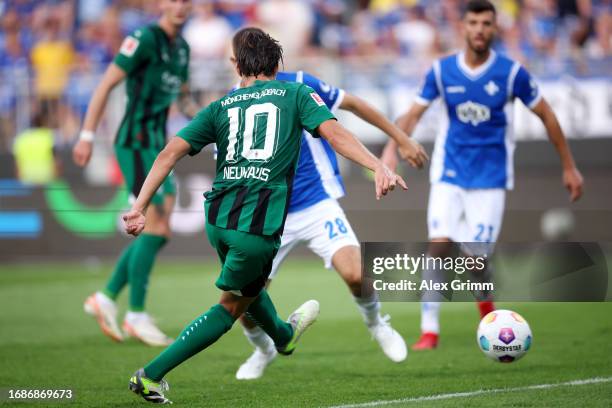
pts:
pixel 140 266
pixel 201 333
pixel 209 327
pixel 263 313
pixel 119 277
pixel 134 266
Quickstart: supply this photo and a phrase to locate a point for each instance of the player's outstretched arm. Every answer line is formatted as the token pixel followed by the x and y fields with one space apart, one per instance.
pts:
pixel 409 149
pixel 81 153
pixel 186 104
pixel 176 149
pixel 345 143
pixel 407 122
pixel 572 179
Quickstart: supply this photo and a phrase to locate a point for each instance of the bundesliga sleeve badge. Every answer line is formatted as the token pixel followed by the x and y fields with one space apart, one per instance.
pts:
pixel 317 98
pixel 129 46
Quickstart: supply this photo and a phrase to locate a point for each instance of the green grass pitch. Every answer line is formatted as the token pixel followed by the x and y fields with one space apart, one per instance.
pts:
pixel 47 341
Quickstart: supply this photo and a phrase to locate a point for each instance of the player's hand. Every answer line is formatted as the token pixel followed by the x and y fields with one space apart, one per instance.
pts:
pixel 134 222
pixel 81 153
pixel 573 181
pixel 386 180
pixel 413 153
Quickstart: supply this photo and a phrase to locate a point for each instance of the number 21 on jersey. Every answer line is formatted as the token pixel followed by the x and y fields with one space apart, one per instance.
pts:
pixel 253 118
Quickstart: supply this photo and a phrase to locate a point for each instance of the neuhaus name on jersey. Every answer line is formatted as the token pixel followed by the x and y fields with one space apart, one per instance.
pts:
pixel 238 173
pixel 255 95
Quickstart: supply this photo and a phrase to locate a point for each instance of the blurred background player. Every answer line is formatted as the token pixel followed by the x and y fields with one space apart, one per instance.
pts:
pixel 155 61
pixel 472 162
pixel 315 218
pixel 36 162
pixel 247 206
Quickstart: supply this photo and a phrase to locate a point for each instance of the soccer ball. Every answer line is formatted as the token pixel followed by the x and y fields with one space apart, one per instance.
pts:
pixel 504 335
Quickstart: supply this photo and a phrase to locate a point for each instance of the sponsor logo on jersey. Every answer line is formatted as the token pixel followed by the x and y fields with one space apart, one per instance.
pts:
pixel 455 89
pixel 491 88
pixel 129 46
pixel 472 112
pixel 317 98
pixel 170 83
pixel 182 57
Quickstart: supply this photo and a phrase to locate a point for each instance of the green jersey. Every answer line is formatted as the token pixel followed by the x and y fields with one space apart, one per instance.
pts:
pixel 156 68
pixel 258 133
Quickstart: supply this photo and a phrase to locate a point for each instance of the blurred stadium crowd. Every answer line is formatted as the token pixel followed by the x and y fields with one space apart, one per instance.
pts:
pixel 53 51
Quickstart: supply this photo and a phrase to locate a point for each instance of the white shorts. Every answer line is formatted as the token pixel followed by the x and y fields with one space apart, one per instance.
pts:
pixel 323 227
pixel 462 215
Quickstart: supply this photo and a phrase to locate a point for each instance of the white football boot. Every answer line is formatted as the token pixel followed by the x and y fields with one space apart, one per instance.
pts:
pixel 104 310
pixel 390 341
pixel 303 317
pixel 142 327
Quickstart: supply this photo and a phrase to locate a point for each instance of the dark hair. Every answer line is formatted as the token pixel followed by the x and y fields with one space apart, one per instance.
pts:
pixel 479 6
pixel 256 52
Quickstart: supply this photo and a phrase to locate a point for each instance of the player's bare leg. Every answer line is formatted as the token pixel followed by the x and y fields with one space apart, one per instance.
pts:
pixel 158 222
pixel 484 299
pixel 347 262
pixel 137 322
pixel 430 303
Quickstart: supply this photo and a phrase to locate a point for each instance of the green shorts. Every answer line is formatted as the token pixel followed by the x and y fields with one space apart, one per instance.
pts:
pixel 246 259
pixel 135 164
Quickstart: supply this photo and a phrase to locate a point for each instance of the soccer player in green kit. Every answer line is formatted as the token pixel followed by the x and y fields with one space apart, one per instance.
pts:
pixel 154 61
pixel 258 131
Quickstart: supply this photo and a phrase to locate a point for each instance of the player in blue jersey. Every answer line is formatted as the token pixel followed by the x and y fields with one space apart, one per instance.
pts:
pixel 472 165
pixel 315 218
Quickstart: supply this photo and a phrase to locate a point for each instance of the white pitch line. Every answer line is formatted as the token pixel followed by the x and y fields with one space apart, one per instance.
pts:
pixel 594 380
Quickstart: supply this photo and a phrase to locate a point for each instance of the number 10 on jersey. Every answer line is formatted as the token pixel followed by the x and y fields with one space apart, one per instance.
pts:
pixel 253 120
